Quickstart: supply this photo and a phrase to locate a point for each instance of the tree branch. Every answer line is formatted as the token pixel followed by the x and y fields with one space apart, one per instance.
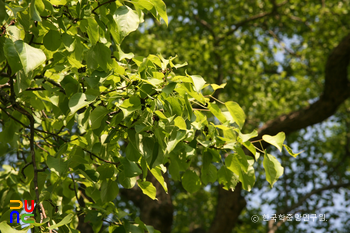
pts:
pixel 159 213
pixel 272 228
pixel 32 152
pixel 93 11
pixel 229 207
pixel 253 18
pixel 336 91
pixel 206 25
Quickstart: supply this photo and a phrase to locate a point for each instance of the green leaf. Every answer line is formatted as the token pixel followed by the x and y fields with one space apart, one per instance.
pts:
pixel 157 173
pixel 251 148
pixel 174 169
pixel 121 55
pixel 276 140
pixel 198 82
pixel 130 105
pixel 188 107
pixel 21 55
pixel 92 30
pixel 217 112
pixel 96 116
pixel 161 115
pixel 191 181
pixel 236 112
pixel 169 88
pixel 148 189
pixel 273 168
pixel 109 190
pixel 161 9
pixel 15 33
pixel 175 138
pixel 215 86
pixel 103 55
pixel 34 12
pixel 180 122
pixel 126 182
pixel 57 165
pixel 130 168
pixel 127 21
pixel 58 2
pixel 231 163
pixel 96 78
pixel 68 41
pixel 66 220
pixel 3 14
pixel 90 59
pixel 227 178
pixel 52 40
pixel 41 223
pixel 132 153
pixel 106 171
pixel 290 151
pixel 247 179
pixel 184 88
pixel 241 158
pixel 209 174
pixel 246 137
pixel 132 149
pixel 80 100
pixel 4 227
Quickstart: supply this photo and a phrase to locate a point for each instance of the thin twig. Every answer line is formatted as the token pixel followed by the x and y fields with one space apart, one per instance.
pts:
pixel 217 99
pixel 94 155
pixel 75 190
pixel 253 18
pixel 25 166
pixel 93 11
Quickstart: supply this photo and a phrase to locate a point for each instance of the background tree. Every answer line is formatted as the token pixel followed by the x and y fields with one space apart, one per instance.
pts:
pixel 286 63
pixel 88 121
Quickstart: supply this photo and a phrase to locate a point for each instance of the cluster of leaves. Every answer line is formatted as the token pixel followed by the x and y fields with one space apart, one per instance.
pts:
pixel 86 119
pixel 272 55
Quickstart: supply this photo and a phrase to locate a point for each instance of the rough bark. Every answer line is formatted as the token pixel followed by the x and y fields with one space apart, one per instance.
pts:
pixel 157 213
pixel 336 91
pixel 227 211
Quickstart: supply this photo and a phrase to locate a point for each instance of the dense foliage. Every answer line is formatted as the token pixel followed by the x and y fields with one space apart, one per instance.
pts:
pixel 280 60
pixel 81 119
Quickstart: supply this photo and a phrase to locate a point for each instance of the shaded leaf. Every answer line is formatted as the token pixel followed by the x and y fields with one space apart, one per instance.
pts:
pixel 273 168
pixel 109 190
pixel 52 40
pixel 96 116
pixel 290 151
pixel 191 181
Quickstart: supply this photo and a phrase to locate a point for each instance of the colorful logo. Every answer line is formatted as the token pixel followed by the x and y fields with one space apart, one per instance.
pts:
pixel 14 208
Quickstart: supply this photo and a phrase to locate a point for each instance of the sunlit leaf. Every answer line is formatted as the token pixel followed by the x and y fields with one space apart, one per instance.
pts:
pixel 236 112
pixel 148 189
pixel 276 140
